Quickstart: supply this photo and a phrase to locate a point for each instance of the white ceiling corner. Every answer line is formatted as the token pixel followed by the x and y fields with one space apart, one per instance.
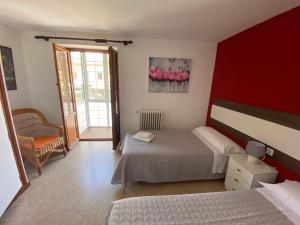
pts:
pixel 205 20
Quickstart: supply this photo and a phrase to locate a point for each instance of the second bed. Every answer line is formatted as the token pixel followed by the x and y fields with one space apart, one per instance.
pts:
pixel 175 155
pixel 276 204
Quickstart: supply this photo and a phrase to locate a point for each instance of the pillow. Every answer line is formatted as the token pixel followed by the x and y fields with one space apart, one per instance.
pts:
pixel 288 192
pixel 218 140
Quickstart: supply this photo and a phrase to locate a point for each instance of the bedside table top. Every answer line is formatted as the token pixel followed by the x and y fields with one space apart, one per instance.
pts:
pixel 260 168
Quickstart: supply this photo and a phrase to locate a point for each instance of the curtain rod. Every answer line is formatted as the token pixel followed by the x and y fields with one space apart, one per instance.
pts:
pixel 47 38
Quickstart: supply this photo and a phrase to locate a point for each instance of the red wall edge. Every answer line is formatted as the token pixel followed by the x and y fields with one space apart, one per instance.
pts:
pixel 261 67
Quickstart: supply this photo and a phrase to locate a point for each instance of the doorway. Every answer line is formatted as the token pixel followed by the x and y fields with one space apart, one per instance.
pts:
pixel 88 87
pixel 90 69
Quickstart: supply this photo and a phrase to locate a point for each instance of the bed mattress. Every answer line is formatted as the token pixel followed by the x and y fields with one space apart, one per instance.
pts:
pixel 173 155
pixel 226 208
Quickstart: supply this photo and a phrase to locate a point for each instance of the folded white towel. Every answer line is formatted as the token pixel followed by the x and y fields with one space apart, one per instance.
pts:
pixel 149 139
pixel 144 134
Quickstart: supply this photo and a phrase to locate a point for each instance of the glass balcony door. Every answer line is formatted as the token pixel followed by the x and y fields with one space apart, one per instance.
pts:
pixel 79 89
pixel 92 89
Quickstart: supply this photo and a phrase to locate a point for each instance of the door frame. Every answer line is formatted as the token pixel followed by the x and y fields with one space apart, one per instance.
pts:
pixel 103 51
pixel 115 97
pixel 67 144
pixel 12 135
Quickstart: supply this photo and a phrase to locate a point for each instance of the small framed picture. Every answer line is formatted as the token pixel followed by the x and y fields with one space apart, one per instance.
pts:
pixel 8 68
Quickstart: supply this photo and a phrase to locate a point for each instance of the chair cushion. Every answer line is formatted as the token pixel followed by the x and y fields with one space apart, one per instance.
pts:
pixel 41 142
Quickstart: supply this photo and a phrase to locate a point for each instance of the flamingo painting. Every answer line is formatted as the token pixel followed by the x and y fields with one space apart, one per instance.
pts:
pixel 169 75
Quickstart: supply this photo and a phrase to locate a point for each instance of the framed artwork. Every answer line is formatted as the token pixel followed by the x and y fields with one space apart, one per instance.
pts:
pixel 8 68
pixel 169 75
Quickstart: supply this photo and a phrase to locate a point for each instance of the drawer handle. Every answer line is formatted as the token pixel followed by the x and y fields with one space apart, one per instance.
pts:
pixel 233 189
pixel 236 180
pixel 238 170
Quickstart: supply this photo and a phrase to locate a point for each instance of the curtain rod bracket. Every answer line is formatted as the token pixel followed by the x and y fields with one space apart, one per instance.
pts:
pixel 42 37
pixel 99 40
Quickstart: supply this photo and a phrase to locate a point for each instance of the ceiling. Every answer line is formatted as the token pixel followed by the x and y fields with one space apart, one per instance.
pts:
pixel 206 20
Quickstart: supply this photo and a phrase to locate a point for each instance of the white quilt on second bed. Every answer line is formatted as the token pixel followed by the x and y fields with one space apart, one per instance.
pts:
pixel 221 208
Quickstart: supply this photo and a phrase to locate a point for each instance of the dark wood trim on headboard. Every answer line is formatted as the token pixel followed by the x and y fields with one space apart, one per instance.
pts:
pixel 285 119
pixel 282 118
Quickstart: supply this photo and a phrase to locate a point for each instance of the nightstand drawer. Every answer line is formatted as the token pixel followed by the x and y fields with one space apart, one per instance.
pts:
pixel 229 184
pixel 241 171
pixel 241 174
pixel 236 181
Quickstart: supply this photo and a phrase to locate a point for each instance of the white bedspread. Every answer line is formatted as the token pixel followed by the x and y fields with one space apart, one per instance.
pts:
pixel 219 208
pixel 288 212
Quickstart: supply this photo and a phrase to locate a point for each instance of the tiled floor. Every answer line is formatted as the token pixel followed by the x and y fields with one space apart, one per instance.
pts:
pixel 97 133
pixel 76 190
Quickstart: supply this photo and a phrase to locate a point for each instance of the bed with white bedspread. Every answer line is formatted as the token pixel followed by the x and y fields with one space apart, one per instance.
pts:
pixel 251 207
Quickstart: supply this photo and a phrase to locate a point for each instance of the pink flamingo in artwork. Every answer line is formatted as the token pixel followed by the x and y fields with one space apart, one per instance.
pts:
pixel 185 76
pixel 158 74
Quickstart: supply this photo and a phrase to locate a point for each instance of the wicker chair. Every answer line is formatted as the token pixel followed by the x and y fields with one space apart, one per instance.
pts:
pixel 37 138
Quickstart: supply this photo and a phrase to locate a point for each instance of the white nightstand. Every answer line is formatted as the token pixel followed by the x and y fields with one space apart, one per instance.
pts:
pixel 243 175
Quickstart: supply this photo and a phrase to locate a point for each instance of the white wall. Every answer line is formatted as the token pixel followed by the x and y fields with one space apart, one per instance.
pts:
pixel 182 111
pixel 39 60
pixel 12 38
pixel 9 174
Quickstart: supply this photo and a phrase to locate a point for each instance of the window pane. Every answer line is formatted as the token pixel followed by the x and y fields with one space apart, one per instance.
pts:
pixel 102 114
pixel 94 114
pixel 94 122
pixel 91 68
pixel 110 122
pixel 103 122
pixel 92 76
pixel 90 57
pixel 100 76
pixel 93 106
pixel 96 90
pixel 102 106
pixel 99 57
pixel 100 85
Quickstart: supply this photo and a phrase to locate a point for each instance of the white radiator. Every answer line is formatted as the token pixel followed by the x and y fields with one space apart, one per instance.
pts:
pixel 151 119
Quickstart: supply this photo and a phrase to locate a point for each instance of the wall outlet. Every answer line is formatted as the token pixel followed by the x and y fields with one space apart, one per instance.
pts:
pixel 270 151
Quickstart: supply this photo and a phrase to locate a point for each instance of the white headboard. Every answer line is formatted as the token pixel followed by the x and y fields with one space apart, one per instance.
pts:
pixel 278 130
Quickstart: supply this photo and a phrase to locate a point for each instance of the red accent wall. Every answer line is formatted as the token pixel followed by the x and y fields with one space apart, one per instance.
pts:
pixel 261 67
